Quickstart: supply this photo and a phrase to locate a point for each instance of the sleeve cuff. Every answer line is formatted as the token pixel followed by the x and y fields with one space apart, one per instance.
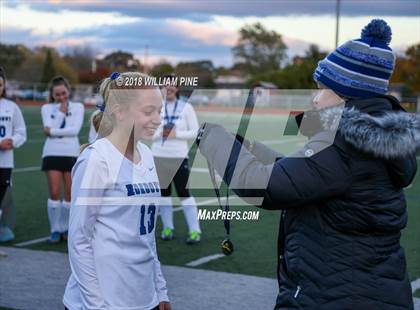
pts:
pixel 53 132
pixel 179 135
pixel 163 296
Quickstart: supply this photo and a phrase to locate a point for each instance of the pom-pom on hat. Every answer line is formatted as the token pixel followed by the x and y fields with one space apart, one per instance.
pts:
pixel 360 68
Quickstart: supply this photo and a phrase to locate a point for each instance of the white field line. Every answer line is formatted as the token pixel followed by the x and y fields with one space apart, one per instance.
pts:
pixel 43 239
pixel 207 202
pixel 415 285
pixel 34 141
pixel 198 170
pixel 26 169
pixel 204 260
pixel 30 242
pixel 41 128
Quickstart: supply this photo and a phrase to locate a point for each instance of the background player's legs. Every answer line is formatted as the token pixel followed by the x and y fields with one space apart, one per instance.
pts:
pixel 6 233
pixel 189 206
pixel 67 185
pixel 5 174
pixel 65 205
pixel 54 183
pixel 167 213
pixel 166 208
pixel 165 169
pixel 54 204
pixel 188 202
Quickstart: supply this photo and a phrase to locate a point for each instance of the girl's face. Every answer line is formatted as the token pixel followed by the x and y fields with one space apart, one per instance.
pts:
pixel 326 98
pixel 2 86
pixel 60 93
pixel 170 92
pixel 144 113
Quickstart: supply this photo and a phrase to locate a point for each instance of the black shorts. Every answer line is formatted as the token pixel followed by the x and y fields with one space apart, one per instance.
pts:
pixel 60 163
pixel 5 176
pixel 176 171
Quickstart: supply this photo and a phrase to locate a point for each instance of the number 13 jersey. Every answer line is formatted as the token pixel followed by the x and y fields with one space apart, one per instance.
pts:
pixel 112 246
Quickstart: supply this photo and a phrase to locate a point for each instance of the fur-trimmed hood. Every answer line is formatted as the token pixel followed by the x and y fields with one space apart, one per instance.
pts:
pixel 392 135
pixel 389 134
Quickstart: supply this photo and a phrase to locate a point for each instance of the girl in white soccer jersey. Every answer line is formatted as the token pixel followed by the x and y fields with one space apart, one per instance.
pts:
pixel 115 190
pixel 12 135
pixel 170 149
pixel 62 120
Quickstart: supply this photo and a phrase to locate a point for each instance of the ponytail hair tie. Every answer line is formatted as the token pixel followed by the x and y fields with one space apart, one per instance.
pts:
pixel 101 106
pixel 114 75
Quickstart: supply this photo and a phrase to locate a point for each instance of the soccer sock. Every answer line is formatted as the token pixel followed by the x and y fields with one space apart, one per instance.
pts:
pixel 54 214
pixel 64 216
pixel 189 206
pixel 166 212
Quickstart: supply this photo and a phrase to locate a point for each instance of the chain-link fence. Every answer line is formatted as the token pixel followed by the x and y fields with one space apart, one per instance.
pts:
pixel 37 93
pixel 22 92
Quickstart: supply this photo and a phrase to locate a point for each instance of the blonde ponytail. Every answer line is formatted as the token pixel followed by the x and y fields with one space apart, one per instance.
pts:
pixel 102 128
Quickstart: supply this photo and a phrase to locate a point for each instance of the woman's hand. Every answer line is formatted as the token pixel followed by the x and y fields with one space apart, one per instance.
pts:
pixel 47 131
pixel 164 305
pixel 64 107
pixel 6 144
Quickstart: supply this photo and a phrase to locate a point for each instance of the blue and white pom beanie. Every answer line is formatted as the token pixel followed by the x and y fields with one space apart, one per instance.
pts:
pixel 360 68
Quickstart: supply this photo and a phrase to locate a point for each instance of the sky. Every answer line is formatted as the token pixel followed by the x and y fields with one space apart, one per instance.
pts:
pixel 186 30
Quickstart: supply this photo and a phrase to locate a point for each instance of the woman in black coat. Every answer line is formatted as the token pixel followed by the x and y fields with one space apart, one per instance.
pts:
pixel 342 194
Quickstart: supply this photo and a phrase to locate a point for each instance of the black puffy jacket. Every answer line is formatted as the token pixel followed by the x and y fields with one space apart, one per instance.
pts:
pixel 344 206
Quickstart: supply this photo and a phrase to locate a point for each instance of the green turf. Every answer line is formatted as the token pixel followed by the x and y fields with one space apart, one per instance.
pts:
pixel 255 242
pixel 410 236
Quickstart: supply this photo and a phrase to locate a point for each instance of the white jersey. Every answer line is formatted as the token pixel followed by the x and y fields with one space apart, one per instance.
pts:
pixel 112 246
pixel 186 127
pixel 12 126
pixel 63 139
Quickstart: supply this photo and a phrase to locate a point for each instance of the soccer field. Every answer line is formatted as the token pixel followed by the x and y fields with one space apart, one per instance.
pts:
pixel 255 241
